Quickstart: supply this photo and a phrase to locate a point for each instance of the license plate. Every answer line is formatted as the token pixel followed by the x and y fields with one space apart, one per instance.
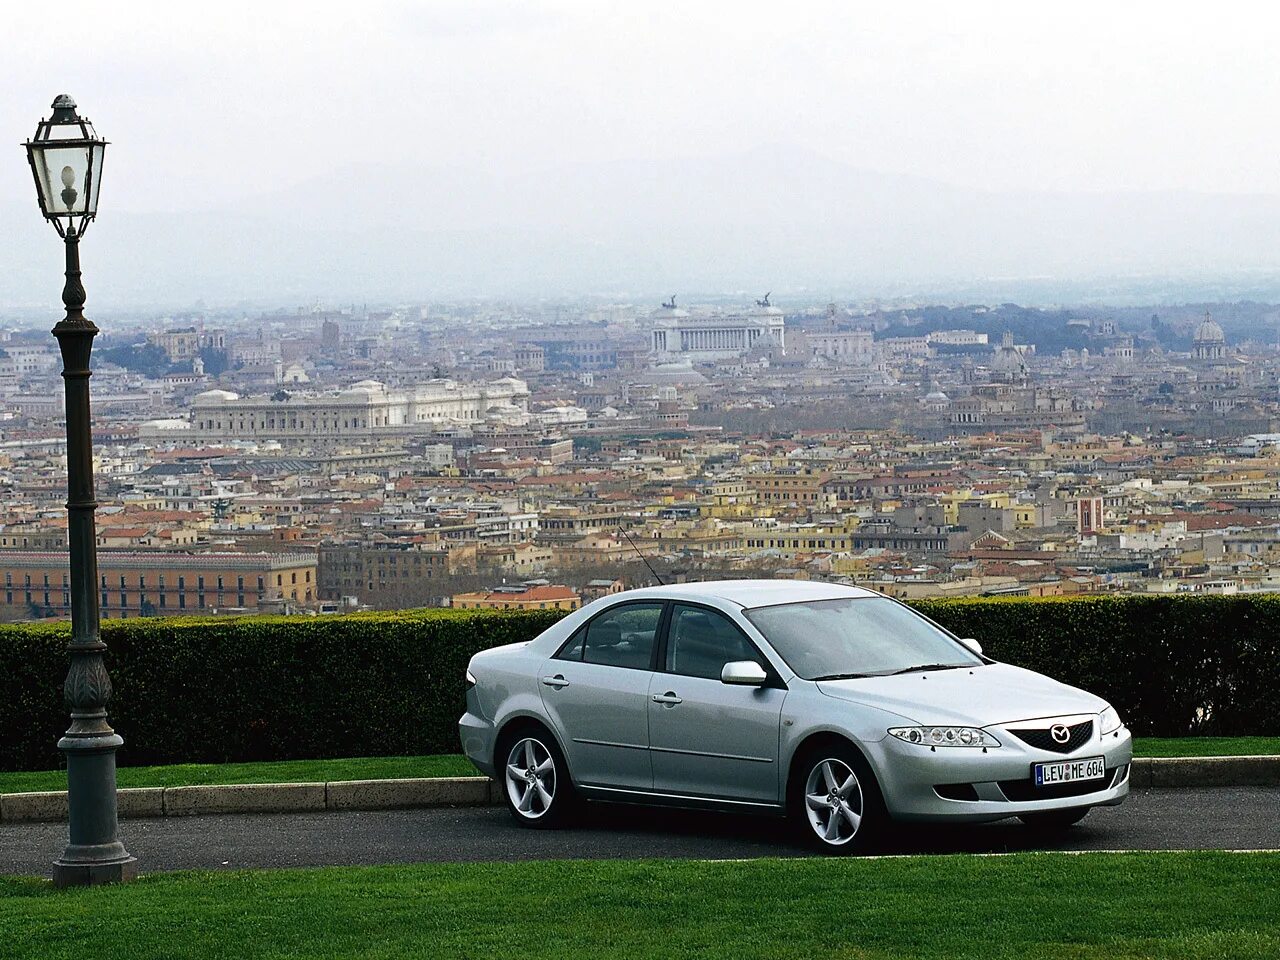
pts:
pixel 1069 771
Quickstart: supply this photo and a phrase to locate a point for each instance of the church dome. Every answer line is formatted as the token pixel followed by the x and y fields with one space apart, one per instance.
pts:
pixel 362 390
pixel 222 396
pixel 1209 331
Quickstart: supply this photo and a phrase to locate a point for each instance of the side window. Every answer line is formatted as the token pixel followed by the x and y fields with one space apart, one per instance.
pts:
pixel 573 649
pixel 703 641
pixel 623 636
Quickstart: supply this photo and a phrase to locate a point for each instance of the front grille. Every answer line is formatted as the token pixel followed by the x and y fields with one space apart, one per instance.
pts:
pixel 1081 733
pixel 1019 791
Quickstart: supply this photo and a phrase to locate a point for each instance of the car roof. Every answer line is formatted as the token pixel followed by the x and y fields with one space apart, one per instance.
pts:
pixel 750 593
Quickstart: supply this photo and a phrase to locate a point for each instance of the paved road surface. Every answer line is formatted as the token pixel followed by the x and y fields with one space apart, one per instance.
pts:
pixel 1228 818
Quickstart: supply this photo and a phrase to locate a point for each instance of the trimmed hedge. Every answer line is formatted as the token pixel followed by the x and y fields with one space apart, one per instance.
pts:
pixel 1173 666
pixel 271 688
pixel 258 688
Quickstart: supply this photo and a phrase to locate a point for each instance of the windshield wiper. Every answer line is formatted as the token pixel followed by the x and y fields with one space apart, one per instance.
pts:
pixel 843 676
pixel 928 666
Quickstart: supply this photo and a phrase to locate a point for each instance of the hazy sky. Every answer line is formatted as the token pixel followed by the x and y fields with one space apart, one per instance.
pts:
pixel 556 146
pixel 210 102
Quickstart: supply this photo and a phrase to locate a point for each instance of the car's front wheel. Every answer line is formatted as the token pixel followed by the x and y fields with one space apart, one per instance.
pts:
pixel 536 780
pixel 836 801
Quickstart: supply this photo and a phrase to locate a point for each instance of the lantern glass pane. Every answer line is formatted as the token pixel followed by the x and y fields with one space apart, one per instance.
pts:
pixel 67 131
pixel 62 173
pixel 95 177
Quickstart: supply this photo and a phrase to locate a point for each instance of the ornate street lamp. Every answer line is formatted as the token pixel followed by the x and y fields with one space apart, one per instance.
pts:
pixel 66 159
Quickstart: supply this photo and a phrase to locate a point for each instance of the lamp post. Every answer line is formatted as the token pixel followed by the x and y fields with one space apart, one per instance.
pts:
pixel 66 160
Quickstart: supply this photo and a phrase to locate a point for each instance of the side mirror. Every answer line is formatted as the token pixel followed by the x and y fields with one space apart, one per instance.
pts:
pixel 972 644
pixel 743 673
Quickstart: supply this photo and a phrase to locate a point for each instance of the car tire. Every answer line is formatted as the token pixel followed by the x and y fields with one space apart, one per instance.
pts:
pixel 534 778
pixel 1054 821
pixel 834 801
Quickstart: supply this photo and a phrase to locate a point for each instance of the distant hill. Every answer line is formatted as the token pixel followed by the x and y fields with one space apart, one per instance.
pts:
pixel 774 218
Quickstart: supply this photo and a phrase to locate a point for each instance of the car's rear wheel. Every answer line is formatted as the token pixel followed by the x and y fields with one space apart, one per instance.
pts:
pixel 1054 821
pixel 835 801
pixel 535 779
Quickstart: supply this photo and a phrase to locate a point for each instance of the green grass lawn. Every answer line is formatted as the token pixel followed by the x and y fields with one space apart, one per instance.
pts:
pixel 1207 906
pixel 1205 746
pixel 283 771
pixel 455 765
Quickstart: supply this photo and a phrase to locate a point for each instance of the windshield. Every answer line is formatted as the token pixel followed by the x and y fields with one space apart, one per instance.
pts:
pixel 856 636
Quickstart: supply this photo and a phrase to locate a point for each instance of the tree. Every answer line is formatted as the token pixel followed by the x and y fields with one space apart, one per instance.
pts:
pixel 144 358
pixel 215 361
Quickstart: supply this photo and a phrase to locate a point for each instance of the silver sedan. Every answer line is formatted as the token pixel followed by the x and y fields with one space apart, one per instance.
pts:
pixel 836 706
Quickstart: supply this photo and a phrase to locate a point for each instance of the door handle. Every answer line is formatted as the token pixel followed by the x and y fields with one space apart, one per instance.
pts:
pixel 557 681
pixel 669 698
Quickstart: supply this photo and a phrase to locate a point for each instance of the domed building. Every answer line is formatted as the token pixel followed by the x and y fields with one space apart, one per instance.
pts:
pixel 170 429
pixel 367 409
pixel 1209 342
pixel 935 401
pixel 216 396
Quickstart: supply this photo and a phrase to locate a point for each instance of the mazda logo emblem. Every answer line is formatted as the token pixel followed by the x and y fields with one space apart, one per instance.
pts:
pixel 1060 733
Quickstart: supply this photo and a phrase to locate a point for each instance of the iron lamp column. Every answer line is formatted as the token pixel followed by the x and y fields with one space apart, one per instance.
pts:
pixel 67 146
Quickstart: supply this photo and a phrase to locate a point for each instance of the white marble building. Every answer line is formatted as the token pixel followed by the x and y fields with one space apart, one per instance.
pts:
pixel 365 410
pixel 844 346
pixel 678 335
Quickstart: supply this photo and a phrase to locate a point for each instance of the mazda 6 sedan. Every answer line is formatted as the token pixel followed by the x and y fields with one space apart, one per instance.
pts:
pixel 835 706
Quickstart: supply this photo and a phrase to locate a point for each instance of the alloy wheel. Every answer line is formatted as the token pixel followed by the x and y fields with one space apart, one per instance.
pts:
pixel 531 778
pixel 833 801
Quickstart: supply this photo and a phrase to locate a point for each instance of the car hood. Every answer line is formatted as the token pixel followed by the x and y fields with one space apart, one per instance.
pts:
pixel 993 694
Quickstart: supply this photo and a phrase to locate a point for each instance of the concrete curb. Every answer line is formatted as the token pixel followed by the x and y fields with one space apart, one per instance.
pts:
pixel 244 798
pixel 134 803
pixel 1144 773
pixel 1205 772
pixel 403 794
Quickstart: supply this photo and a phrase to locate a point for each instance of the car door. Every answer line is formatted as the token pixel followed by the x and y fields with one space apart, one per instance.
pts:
pixel 708 738
pixel 596 693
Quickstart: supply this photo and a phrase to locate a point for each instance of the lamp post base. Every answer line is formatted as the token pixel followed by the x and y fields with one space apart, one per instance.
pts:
pixel 94 852
pixel 95 871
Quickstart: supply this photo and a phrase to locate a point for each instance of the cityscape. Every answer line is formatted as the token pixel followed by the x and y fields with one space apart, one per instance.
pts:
pixel 543 478
pixel 522 455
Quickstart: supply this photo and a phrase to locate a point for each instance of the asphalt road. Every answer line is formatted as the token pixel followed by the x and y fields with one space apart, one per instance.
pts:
pixel 1227 818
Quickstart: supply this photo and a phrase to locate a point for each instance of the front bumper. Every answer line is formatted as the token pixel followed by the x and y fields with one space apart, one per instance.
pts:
pixel 910 773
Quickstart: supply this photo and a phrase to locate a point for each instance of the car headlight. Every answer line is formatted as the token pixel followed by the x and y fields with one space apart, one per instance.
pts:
pixel 945 736
pixel 1109 721
pixel 471 681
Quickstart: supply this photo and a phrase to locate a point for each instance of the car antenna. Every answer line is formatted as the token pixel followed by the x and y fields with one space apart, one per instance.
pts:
pixel 642 557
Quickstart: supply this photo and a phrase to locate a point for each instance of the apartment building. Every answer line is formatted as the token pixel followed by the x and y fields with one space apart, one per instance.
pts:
pixel 518 598
pixel 801 487
pixel 153 583
pixel 359 568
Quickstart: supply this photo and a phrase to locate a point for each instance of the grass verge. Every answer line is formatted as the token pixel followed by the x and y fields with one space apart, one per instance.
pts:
pixel 1187 905
pixel 456 765
pixel 282 771
pixel 1206 746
